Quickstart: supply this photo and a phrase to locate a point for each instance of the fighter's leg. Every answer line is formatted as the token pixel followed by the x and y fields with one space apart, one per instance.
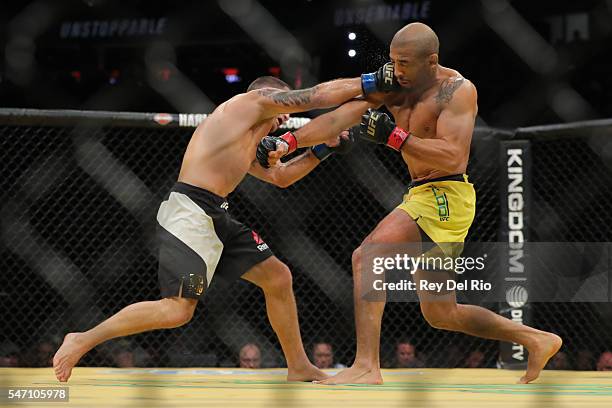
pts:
pixel 274 277
pixel 135 318
pixel 443 312
pixel 397 227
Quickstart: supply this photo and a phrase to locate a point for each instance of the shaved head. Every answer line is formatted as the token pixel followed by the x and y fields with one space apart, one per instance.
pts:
pixel 414 54
pixel 418 37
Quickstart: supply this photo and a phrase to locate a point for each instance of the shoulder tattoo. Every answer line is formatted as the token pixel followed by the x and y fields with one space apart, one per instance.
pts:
pixel 289 98
pixel 448 88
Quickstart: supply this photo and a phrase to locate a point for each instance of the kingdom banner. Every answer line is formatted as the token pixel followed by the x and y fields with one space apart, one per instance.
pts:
pixel 515 199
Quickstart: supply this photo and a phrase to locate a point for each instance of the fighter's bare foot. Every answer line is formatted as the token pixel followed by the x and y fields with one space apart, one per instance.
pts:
pixel 544 347
pixel 68 355
pixel 308 373
pixel 355 375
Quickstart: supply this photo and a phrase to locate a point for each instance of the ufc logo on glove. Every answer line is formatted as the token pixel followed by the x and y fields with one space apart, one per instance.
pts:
pixel 372 123
pixel 388 77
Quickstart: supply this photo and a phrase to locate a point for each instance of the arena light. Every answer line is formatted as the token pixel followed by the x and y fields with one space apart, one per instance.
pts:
pixel 231 75
pixel 275 71
pixel 114 77
pixel 76 75
pixel 165 74
pixel 352 53
pixel 280 44
pixel 352 36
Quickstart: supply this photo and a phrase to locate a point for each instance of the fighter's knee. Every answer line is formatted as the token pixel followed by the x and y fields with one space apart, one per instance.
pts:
pixel 177 311
pixel 280 280
pixel 438 316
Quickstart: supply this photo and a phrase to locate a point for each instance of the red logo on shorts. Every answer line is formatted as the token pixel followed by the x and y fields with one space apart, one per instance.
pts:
pixel 257 238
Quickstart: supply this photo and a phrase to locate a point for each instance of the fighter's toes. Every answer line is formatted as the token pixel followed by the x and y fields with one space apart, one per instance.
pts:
pixel 543 349
pixel 68 355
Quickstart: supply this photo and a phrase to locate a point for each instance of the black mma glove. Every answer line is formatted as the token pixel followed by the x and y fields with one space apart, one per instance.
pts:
pixel 269 144
pixel 379 128
pixel 382 80
pixel 323 151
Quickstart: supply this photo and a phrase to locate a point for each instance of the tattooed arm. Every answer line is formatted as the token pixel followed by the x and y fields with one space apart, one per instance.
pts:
pixel 450 149
pixel 326 95
pixel 448 88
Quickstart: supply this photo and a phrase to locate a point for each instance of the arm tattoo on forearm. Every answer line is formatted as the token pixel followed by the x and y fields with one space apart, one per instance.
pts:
pixel 290 98
pixel 448 88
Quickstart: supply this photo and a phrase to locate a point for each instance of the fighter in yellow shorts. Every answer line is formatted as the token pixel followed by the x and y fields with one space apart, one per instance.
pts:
pixel 429 203
pixel 434 109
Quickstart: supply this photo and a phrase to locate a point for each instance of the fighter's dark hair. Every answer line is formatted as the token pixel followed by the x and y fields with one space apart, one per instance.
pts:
pixel 267 82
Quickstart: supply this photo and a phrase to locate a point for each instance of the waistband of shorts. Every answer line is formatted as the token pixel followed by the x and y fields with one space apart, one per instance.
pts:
pixel 452 177
pixel 199 194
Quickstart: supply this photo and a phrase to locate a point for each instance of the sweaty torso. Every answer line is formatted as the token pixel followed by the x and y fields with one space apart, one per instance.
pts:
pixel 221 150
pixel 418 113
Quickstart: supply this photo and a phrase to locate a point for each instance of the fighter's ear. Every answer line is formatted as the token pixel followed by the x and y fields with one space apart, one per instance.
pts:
pixel 433 59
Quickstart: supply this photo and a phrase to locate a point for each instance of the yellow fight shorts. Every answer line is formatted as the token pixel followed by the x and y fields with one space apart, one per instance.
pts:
pixel 444 209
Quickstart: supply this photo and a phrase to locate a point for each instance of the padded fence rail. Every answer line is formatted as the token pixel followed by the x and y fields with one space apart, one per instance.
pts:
pixel 80 191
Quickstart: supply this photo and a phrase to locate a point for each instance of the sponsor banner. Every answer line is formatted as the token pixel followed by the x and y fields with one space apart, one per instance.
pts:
pixel 515 195
pixel 295 123
pixel 192 120
pixel 163 118
pixel 113 28
pixel 382 13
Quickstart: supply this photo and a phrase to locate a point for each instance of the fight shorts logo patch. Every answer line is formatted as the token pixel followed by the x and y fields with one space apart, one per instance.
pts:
pixel 261 245
pixel 442 204
pixel 193 284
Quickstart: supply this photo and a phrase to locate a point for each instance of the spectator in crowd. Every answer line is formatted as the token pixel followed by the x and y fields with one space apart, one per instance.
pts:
pixel 122 355
pixel 559 361
pixel 476 359
pixel 42 353
pixel 142 357
pixel 9 354
pixel 123 358
pixel 250 356
pixel 605 361
pixel 406 355
pixel 125 355
pixel 323 356
pixel 585 360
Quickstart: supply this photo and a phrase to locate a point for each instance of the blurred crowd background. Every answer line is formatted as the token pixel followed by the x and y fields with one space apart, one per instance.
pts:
pixel 125 354
pixel 533 62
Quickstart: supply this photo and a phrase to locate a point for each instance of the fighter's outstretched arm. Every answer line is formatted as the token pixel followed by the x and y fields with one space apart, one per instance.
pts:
pixel 272 101
pixel 322 128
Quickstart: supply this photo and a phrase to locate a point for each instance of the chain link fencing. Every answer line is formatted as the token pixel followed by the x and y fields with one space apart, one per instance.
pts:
pixel 80 192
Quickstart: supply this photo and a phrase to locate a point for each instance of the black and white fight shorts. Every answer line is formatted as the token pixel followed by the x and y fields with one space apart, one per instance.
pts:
pixel 200 243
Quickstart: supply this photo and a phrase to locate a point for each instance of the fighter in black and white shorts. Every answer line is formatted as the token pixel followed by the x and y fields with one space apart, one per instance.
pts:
pixel 200 242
